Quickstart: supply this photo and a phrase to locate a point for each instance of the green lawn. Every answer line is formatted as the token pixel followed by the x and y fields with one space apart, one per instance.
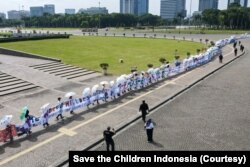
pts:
pixel 89 52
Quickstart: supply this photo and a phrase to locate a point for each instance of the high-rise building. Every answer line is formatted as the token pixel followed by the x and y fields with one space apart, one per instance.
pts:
pixel 172 8
pixel 14 15
pixel 137 7
pixel 36 11
pixel 70 11
pixel 94 10
pixel 2 15
pixel 49 8
pixel 24 13
pixel 243 3
pixel 208 4
pixel 17 15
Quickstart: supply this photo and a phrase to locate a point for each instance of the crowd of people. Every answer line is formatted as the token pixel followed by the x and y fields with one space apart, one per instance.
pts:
pixel 106 91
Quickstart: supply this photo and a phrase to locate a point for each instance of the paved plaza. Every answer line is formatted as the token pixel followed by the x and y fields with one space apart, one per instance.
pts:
pixel 212 115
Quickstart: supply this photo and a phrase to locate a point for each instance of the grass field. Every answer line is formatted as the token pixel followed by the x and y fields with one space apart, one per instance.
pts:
pixel 89 52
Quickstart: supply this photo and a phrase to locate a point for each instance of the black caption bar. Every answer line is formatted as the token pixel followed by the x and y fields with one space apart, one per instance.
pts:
pixel 159 158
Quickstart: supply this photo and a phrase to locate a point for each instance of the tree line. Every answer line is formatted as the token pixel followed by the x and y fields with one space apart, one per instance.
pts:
pixel 235 17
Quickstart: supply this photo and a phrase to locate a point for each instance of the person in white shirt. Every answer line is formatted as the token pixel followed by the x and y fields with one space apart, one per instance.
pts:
pixel 149 126
pixel 60 106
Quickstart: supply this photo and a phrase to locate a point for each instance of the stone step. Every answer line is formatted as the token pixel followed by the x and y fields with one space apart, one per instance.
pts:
pixel 58 68
pixel 51 66
pixel 45 64
pixel 11 83
pixel 76 76
pixel 65 69
pixel 6 77
pixel 71 71
pixel 9 80
pixel 74 73
pixel 2 74
pixel 86 77
pixel 15 86
pixel 12 91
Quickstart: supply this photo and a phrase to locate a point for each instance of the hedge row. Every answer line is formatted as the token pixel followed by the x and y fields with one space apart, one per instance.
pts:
pixel 16 39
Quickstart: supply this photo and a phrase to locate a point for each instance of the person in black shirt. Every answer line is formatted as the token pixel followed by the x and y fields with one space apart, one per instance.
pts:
pixel 235 51
pixel 221 58
pixel 241 48
pixel 144 109
pixel 107 134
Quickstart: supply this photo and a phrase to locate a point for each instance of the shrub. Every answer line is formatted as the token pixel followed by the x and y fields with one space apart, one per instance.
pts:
pixel 162 60
pixel 150 65
pixel 104 67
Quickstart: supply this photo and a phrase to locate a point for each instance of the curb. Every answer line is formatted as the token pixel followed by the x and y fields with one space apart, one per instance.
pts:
pixel 64 160
pixel 12 52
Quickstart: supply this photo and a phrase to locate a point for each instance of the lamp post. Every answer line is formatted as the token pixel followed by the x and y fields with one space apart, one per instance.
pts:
pixel 99 16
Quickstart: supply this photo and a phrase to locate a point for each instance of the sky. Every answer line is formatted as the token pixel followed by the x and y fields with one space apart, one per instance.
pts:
pixel 112 5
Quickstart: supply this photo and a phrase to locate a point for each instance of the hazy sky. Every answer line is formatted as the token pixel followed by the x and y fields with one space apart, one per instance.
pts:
pixel 112 5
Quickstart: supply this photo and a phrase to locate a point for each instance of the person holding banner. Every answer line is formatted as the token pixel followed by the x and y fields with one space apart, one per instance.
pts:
pixel 59 106
pixel 10 131
pixel 108 134
pixel 71 102
pixel 45 115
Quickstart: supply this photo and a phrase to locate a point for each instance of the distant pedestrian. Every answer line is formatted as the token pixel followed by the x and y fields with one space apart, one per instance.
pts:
pixel 221 58
pixel 144 110
pixel 242 48
pixel 149 126
pixel 108 134
pixel 239 43
pixel 59 106
pixel 235 51
pixel 235 44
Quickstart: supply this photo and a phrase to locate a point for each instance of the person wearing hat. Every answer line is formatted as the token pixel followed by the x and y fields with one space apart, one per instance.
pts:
pixel 107 134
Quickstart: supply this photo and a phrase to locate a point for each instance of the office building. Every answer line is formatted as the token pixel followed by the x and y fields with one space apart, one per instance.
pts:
pixel 24 13
pixel 49 8
pixel 243 3
pixel 2 15
pixel 94 10
pixel 136 7
pixel 36 11
pixel 14 15
pixel 208 4
pixel 172 8
pixel 70 11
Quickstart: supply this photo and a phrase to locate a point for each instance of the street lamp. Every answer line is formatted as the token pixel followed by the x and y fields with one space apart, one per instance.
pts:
pixel 99 16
